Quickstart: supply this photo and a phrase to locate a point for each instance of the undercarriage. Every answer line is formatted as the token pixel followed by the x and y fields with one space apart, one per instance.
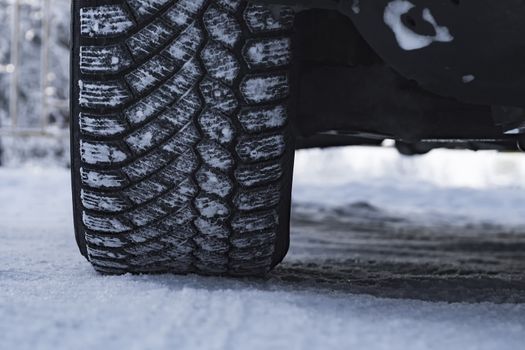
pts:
pixel 362 77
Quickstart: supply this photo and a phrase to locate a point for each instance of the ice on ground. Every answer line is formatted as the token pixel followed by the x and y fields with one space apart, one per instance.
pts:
pixel 50 298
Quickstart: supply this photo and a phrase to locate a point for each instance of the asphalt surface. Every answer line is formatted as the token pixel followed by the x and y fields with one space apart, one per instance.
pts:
pixel 361 249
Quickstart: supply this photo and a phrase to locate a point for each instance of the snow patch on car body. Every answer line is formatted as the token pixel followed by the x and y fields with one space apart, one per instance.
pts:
pixel 406 38
pixel 468 78
pixel 355 7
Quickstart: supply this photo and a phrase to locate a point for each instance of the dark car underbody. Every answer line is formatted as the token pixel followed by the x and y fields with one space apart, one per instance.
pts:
pixel 359 81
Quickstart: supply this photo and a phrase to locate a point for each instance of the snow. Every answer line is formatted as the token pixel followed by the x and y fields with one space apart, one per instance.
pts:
pixel 468 78
pixel 100 180
pixel 355 7
pixel 142 141
pixel 466 185
pixel 50 298
pixel 96 21
pixel 265 88
pixel 269 52
pixel 95 153
pixel 259 119
pixel 406 38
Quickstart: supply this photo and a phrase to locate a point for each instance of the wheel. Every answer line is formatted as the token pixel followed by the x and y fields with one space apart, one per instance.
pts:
pixel 182 153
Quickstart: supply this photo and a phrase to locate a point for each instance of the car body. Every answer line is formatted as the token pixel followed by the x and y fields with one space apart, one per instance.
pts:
pixel 447 72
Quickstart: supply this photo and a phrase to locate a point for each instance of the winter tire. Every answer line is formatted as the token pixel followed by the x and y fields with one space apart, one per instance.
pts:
pixel 182 154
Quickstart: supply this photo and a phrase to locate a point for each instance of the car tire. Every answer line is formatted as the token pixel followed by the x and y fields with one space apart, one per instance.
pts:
pixel 182 151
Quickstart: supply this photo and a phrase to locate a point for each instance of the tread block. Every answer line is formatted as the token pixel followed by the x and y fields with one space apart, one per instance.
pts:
pixel 214 228
pixel 104 59
pixel 144 191
pixel 105 20
pixel 268 53
pixel 147 107
pixel 102 179
pixel 101 153
pixel 106 203
pixel 172 227
pixel 210 207
pixel 149 39
pixel 180 196
pixel 216 126
pixel 250 267
pixel 183 217
pixel 97 94
pixel 149 263
pixel 250 240
pixel 151 135
pixel 218 96
pixel 100 253
pixel 104 224
pixel 179 247
pixel 104 241
pixel 145 248
pixel 262 19
pixel 265 88
pixel 183 110
pixel 182 13
pixel 145 165
pixel 178 234
pixel 215 156
pixel 222 26
pixel 143 234
pixel 146 8
pixel 257 175
pixel 159 133
pixel 150 74
pixel 146 214
pixel 184 139
pixel 185 46
pixel 180 168
pixel 212 244
pixel 260 119
pixel 179 264
pixel 220 63
pixel 230 5
pixel 262 198
pixel 261 148
pixel 183 82
pixel 178 255
pixel 214 182
pixel 251 254
pixel 246 223
pixel 101 125
pixel 210 262
pixel 179 223
pixel 173 89
pixel 108 266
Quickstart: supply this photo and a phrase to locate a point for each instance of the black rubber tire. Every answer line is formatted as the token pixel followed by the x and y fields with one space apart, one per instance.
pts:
pixel 182 153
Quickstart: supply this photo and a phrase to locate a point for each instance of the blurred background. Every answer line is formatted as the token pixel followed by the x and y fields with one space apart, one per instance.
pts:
pixel 34 85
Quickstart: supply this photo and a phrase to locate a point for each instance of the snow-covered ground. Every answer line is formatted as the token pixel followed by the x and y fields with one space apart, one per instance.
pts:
pixel 379 260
